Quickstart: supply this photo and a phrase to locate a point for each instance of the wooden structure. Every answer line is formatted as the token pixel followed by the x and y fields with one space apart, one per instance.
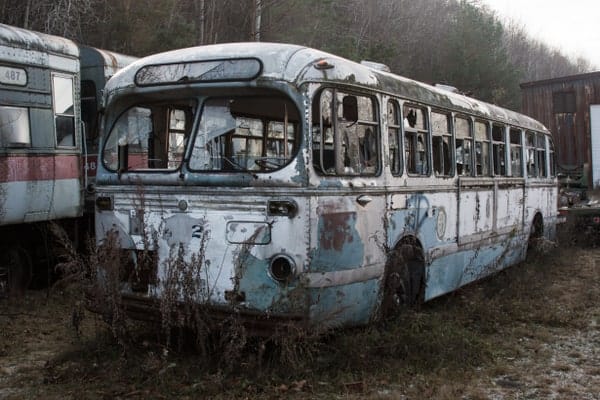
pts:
pixel 563 105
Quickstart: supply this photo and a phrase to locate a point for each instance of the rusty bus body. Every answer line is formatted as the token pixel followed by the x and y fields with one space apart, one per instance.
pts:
pixel 282 183
pixel 41 141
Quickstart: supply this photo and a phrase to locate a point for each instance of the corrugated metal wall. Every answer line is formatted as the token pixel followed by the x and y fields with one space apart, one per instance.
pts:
pixel 563 105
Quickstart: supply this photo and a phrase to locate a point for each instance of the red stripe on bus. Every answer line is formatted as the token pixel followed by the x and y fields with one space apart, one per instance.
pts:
pixel 39 167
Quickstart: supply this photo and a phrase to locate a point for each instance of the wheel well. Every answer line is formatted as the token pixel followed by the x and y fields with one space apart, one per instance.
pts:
pixel 537 226
pixel 404 280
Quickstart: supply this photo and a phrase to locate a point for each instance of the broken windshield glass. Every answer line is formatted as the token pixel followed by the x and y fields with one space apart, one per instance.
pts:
pixel 245 134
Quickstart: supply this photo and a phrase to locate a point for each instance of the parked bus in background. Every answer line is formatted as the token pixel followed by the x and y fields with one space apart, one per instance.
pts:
pixel 283 184
pixel 42 143
pixel 97 66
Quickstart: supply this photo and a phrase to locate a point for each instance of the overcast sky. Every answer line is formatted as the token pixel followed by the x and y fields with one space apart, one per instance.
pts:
pixel 572 26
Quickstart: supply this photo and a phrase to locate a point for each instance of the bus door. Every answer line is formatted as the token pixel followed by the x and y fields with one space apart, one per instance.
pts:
pixel 477 192
pixel 347 212
pixel 510 200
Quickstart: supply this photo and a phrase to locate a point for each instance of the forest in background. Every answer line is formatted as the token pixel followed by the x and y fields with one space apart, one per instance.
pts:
pixel 456 42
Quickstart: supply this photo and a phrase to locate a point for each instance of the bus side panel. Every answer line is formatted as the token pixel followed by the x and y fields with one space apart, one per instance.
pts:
pixel 347 259
pixel 477 214
pixel 36 188
pixel 509 208
pixel 452 271
pixel 542 199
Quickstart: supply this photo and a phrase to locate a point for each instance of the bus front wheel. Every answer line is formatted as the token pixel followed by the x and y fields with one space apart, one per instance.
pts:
pixel 404 279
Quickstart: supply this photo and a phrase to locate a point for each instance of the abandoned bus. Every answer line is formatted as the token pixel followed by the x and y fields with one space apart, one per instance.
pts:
pixel 41 142
pixel 282 183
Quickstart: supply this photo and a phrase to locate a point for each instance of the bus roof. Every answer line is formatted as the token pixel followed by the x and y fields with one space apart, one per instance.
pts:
pixel 11 36
pixel 109 61
pixel 295 64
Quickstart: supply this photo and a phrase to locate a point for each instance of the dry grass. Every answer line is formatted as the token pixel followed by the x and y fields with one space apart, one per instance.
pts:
pixel 523 332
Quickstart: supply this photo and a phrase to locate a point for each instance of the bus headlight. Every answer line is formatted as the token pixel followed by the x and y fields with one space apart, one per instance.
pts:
pixel 282 268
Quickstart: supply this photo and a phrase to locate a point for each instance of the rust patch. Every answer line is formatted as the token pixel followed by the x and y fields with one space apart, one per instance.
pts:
pixel 336 230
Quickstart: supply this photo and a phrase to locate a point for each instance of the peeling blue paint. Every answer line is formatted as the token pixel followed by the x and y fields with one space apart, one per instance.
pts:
pixel 450 272
pixel 340 246
pixel 353 304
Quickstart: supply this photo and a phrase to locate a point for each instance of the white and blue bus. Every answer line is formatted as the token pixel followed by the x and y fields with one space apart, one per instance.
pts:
pixel 283 183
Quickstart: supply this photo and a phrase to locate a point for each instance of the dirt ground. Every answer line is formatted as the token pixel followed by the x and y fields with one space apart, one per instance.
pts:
pixel 531 332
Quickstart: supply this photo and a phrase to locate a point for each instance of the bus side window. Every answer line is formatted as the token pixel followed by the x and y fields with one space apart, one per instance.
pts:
pixel 441 139
pixel 395 142
pixel 531 164
pixel 64 112
pixel 323 151
pixel 462 129
pixel 498 149
pixel 552 161
pixel 516 164
pixel 345 134
pixel 416 139
pixel 14 127
pixel 540 151
pixel 482 149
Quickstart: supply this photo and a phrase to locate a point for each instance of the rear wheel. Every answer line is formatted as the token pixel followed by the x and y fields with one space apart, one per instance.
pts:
pixel 404 279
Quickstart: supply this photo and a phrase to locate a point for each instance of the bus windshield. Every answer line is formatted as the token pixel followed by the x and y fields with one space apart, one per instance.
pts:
pixel 245 134
pixel 149 136
pixel 251 133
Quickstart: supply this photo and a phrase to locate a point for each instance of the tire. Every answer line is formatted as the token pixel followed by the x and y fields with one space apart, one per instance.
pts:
pixel 404 280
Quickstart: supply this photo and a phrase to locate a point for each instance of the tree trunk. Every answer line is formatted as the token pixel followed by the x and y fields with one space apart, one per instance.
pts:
pixel 257 19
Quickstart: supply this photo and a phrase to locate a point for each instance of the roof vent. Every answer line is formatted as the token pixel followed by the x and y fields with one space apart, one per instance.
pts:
pixel 447 88
pixel 376 65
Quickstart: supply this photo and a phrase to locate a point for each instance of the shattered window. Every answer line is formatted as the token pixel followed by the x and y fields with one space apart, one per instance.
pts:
pixel 441 140
pixel 498 149
pixel 246 134
pixel 148 137
pixel 551 156
pixel 540 151
pixel 482 149
pixel 416 140
pixel 464 143
pixel 516 166
pixel 395 140
pixel 535 155
pixel 345 134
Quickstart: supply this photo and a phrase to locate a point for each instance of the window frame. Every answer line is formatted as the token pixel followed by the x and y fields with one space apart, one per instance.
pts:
pixel 468 139
pixel 340 167
pixel 62 115
pixel 425 131
pixel 396 155
pixel 447 157
pixel 484 142
pixel 515 136
pixel 24 123
pixel 499 147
